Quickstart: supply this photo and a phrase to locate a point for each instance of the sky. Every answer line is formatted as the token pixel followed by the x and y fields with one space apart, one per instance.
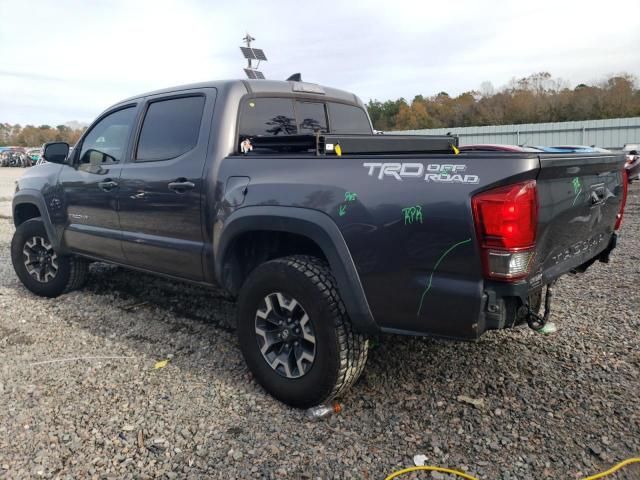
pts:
pixel 64 60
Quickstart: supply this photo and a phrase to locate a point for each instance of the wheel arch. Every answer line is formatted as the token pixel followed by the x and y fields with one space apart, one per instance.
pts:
pixel 316 230
pixel 29 204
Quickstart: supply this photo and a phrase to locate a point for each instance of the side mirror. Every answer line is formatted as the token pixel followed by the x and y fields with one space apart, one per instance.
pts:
pixel 56 152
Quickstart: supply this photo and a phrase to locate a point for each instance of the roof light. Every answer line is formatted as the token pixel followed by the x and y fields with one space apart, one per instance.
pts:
pixel 307 87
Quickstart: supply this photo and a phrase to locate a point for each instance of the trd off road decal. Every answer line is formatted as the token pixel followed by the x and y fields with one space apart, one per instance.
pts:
pixel 433 172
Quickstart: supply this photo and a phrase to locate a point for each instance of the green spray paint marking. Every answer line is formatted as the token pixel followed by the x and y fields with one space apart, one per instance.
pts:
pixel 428 287
pixel 350 196
pixel 576 184
pixel 577 189
pixel 412 215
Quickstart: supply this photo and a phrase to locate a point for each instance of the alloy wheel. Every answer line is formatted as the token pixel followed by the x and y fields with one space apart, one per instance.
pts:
pixel 40 260
pixel 285 335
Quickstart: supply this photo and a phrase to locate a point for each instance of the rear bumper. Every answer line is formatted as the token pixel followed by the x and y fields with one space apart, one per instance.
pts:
pixel 465 309
pixel 501 301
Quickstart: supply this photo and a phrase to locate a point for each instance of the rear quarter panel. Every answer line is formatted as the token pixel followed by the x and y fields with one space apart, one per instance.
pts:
pixel 412 241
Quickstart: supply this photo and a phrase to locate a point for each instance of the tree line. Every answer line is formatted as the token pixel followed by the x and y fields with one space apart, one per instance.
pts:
pixel 31 136
pixel 533 99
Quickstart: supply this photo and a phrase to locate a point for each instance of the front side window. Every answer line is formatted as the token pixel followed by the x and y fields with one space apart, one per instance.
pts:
pixel 106 142
pixel 348 119
pixel 170 128
pixel 311 117
pixel 267 117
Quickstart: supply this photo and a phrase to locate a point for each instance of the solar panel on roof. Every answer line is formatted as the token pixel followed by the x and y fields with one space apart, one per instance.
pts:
pixel 259 75
pixel 259 54
pixel 248 53
pixel 250 73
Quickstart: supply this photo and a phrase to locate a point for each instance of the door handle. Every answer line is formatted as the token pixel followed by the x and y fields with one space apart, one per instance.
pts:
pixel 181 185
pixel 107 185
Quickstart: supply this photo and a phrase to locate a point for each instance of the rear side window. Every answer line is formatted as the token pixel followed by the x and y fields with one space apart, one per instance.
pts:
pixel 348 119
pixel 267 117
pixel 170 128
pixel 312 117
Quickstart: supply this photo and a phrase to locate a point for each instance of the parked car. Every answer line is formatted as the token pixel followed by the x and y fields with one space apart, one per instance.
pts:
pixel 490 147
pixel 34 154
pixel 632 165
pixel 281 194
pixel 14 157
pixel 573 149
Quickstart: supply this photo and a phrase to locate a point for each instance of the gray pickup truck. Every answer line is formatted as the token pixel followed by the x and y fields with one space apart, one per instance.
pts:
pixel 281 194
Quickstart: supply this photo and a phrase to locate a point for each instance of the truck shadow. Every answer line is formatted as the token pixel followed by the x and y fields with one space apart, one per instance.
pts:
pixel 397 365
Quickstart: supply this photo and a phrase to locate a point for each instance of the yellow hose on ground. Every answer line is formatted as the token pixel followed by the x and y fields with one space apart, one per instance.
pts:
pixel 430 468
pixel 614 469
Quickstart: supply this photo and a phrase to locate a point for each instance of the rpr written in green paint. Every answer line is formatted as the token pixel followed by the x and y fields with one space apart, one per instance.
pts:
pixel 412 215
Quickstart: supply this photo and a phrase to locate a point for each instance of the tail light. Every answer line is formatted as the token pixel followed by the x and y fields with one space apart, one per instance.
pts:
pixel 625 190
pixel 506 220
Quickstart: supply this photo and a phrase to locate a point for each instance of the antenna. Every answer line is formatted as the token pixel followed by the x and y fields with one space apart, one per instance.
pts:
pixel 250 54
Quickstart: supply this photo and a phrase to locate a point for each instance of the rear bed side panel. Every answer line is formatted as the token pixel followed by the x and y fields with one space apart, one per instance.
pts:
pixel 579 198
pixel 412 240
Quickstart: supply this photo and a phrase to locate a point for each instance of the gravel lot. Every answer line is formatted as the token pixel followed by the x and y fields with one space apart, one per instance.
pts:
pixel 548 407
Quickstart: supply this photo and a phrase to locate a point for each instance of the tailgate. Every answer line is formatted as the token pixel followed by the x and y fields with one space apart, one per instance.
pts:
pixel 579 198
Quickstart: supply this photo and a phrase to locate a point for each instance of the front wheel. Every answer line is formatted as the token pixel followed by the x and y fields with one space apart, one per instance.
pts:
pixel 294 332
pixel 39 267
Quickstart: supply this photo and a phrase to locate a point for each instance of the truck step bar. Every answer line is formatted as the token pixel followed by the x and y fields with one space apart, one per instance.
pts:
pixel 344 144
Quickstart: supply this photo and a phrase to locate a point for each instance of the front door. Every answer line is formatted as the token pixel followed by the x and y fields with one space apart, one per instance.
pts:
pixel 161 187
pixel 90 185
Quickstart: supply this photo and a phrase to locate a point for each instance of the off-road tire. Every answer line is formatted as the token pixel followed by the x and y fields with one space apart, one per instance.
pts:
pixel 340 352
pixel 71 271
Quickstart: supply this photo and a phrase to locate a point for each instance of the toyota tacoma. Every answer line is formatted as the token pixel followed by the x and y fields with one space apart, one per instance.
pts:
pixel 281 193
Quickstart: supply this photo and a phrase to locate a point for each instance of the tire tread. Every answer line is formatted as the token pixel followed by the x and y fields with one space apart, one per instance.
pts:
pixel 353 347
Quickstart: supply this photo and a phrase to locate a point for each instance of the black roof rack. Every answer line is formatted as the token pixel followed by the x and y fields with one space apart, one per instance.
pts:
pixel 326 143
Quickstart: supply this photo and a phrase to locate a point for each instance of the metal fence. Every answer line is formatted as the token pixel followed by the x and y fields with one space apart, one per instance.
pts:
pixel 609 133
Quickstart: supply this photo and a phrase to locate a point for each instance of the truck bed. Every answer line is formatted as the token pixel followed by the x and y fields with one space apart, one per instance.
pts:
pixel 408 223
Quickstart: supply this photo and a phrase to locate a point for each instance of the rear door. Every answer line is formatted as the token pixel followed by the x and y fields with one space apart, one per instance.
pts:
pixel 161 187
pixel 90 185
pixel 579 197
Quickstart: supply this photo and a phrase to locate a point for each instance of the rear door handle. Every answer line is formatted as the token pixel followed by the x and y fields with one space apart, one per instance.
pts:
pixel 107 185
pixel 181 185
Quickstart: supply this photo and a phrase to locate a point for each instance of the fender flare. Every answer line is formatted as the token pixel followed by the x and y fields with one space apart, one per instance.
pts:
pixel 318 227
pixel 34 197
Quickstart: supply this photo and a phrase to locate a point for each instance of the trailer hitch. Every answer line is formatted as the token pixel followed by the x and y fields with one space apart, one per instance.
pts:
pixel 537 322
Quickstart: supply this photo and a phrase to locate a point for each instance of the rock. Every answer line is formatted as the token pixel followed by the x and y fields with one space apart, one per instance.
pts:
pixel 476 402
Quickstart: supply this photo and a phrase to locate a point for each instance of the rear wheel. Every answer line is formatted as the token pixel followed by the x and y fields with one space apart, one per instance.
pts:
pixel 295 334
pixel 39 267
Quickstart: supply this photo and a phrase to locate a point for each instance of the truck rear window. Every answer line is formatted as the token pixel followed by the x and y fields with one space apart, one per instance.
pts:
pixel 348 119
pixel 312 117
pixel 267 116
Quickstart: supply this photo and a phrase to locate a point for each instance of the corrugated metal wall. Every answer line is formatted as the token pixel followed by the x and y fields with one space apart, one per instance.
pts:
pixel 610 133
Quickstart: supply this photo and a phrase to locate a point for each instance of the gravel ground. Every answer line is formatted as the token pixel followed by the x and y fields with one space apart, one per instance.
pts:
pixel 7 178
pixel 538 407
